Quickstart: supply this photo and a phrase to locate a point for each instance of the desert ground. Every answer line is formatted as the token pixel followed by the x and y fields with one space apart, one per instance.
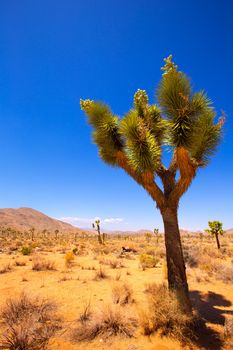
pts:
pixel 94 285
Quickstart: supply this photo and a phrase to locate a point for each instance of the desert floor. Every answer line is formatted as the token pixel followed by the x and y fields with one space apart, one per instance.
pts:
pixel 73 285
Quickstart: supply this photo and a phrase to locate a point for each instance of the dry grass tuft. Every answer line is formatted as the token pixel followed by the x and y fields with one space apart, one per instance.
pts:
pixel 20 263
pixel 29 323
pixel 6 268
pixel 113 263
pixel 164 315
pixel 86 312
pixel 122 294
pixel 225 273
pixel 100 274
pixel 228 333
pixel 110 321
pixel 43 265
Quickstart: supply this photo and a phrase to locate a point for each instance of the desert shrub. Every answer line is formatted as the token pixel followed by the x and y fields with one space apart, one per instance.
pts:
pixel 122 293
pixel 20 263
pixel 111 320
pixel 26 250
pixel 147 261
pixel 86 312
pixel 65 278
pixel 156 251
pixel 191 256
pixel 69 259
pixel 209 265
pixel 118 276
pixel 100 274
pixel 201 276
pixel 75 251
pixel 113 263
pixel 40 264
pixel 164 314
pixel 228 334
pixel 225 273
pixel 29 323
pixel 5 268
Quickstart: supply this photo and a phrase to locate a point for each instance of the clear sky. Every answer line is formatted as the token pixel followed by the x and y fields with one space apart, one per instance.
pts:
pixel 54 52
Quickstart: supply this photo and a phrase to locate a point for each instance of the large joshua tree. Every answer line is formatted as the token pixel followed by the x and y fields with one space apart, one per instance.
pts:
pixel 182 123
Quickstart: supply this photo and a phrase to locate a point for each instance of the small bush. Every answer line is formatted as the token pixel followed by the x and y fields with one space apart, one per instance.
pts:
pixel 109 321
pixel 191 256
pixel 122 294
pixel 43 265
pixel 29 323
pixel 100 274
pixel 118 276
pixel 228 334
pixel 6 268
pixel 69 259
pixel 20 263
pixel 164 314
pixel 113 263
pixel 148 261
pixel 86 312
pixel 26 250
pixel 225 273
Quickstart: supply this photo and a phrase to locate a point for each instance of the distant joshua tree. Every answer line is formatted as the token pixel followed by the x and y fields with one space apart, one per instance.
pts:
pixel 156 232
pixel 56 233
pixel 96 226
pixel 44 232
pixel 182 122
pixel 32 232
pixel 148 236
pixel 215 228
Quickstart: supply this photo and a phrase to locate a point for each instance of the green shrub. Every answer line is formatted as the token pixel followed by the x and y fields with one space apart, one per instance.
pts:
pixel 69 259
pixel 147 261
pixel 26 250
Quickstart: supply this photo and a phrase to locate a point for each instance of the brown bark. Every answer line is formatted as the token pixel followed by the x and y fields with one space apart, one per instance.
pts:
pixel 217 240
pixel 177 280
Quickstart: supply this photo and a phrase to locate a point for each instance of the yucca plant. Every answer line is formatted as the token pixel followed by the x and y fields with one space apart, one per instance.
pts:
pixel 156 232
pixel 215 229
pixel 96 226
pixel 183 123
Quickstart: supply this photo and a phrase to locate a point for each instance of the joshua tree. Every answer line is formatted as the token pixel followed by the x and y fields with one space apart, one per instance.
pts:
pixel 32 232
pixel 183 123
pixel 44 232
pixel 148 236
pixel 156 232
pixel 96 226
pixel 215 228
pixel 56 233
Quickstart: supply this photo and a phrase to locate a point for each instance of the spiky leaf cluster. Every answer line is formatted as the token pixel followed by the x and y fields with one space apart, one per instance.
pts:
pixel 182 119
pixel 215 227
pixel 142 148
pixel 190 115
pixel 106 134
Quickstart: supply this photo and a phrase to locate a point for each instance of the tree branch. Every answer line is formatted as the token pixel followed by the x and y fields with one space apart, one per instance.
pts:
pixel 187 170
pixel 146 180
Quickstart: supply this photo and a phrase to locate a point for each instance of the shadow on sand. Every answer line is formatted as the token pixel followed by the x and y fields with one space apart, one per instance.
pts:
pixel 208 307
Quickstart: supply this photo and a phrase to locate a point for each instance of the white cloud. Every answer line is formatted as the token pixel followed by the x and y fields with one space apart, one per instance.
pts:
pixel 76 221
pixel 113 220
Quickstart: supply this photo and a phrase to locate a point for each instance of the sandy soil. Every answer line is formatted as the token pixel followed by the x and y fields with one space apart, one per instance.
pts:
pixel 72 287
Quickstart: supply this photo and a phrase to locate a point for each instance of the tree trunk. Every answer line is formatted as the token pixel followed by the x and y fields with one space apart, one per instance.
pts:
pixel 177 280
pixel 99 237
pixel 217 240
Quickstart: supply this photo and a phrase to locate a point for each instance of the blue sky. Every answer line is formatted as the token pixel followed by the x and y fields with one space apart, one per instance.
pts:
pixel 54 52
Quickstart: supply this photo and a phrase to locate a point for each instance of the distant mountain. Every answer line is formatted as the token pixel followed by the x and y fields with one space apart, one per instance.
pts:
pixel 25 218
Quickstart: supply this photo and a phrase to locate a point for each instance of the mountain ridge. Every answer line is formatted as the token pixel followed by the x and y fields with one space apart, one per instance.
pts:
pixel 24 218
